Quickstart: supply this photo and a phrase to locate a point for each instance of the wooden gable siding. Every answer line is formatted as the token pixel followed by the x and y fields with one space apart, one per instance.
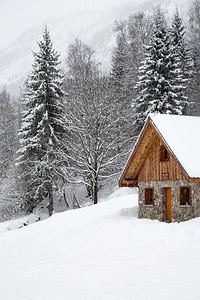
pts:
pixel 144 163
pixel 154 169
pixel 129 176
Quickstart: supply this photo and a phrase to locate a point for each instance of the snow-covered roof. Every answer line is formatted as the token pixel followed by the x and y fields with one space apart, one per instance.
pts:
pixel 181 134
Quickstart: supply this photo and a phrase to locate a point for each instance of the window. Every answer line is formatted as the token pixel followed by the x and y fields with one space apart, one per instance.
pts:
pixel 164 155
pixel 148 196
pixel 185 196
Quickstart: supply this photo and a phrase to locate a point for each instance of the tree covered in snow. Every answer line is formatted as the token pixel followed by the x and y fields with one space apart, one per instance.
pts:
pixel 194 40
pixel 8 133
pixel 11 195
pixel 10 191
pixel 93 115
pixel 161 84
pixel 180 46
pixel 119 67
pixel 184 54
pixel 43 130
pixel 132 34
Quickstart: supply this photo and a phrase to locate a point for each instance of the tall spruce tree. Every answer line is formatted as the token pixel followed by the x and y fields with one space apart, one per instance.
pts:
pixel 43 131
pixel 8 133
pixel 119 68
pixel 181 48
pixel 160 85
pixel 182 52
pixel 194 40
pixel 132 35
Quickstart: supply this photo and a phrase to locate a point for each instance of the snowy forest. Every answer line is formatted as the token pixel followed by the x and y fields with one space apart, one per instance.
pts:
pixel 75 127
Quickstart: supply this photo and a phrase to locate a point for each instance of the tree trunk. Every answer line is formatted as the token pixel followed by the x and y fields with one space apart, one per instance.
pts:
pixel 95 192
pixel 75 202
pixel 95 183
pixel 65 199
pixel 50 204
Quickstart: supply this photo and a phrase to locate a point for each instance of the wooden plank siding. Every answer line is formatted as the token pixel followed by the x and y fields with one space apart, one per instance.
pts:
pixel 129 176
pixel 145 163
pixel 154 169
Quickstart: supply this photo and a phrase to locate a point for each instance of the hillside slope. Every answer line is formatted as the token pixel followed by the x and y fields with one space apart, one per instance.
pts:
pixel 101 252
pixel 93 27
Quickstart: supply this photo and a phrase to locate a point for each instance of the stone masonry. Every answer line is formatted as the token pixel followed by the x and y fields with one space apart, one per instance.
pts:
pixel 158 209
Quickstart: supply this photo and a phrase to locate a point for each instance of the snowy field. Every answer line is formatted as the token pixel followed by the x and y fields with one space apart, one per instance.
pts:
pixel 101 252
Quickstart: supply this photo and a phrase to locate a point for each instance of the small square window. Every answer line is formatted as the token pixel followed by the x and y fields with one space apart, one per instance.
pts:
pixel 185 196
pixel 164 155
pixel 149 196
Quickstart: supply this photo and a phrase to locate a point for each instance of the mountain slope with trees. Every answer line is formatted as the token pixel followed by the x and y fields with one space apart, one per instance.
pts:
pixel 42 155
pixel 78 125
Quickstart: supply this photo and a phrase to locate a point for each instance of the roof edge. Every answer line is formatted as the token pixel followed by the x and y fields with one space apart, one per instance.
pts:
pixel 132 152
pixel 149 118
pixel 169 147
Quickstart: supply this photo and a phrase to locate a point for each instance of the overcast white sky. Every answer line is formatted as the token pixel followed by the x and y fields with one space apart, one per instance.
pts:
pixel 16 16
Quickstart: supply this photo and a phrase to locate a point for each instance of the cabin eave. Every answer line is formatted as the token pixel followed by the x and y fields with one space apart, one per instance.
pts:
pixel 147 138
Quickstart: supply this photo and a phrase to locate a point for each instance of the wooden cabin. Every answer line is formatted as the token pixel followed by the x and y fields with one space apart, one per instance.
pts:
pixel 165 166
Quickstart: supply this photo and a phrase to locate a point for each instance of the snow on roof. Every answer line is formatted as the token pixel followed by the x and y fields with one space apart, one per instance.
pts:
pixel 181 134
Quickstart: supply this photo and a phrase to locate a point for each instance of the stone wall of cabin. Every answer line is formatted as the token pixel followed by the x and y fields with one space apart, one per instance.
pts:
pixel 158 210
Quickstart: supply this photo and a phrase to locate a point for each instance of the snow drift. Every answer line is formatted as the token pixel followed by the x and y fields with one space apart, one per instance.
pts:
pixel 101 252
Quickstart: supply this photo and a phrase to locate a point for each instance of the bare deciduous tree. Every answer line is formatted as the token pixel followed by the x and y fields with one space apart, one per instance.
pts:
pixel 93 116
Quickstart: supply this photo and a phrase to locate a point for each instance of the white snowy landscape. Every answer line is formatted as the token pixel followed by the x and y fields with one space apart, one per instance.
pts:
pixel 101 252
pixel 90 21
pixel 85 85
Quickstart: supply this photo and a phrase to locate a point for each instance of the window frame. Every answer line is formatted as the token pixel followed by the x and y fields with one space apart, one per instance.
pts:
pixel 164 154
pixel 180 196
pixel 145 196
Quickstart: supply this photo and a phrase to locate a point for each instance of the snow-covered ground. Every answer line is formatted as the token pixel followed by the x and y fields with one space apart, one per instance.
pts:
pixel 101 252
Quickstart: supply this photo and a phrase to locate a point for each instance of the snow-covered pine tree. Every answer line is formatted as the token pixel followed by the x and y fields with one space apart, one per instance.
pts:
pixel 181 48
pixel 194 40
pixel 43 130
pixel 10 193
pixel 119 82
pixel 160 84
pixel 132 34
pixel 119 68
pixel 8 133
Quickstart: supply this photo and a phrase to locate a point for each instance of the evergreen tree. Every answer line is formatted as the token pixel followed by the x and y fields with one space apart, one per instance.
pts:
pixel 119 68
pixel 194 39
pixel 160 85
pixel 43 129
pixel 120 82
pixel 181 48
pixel 8 133
pixel 132 35
pixel 10 190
